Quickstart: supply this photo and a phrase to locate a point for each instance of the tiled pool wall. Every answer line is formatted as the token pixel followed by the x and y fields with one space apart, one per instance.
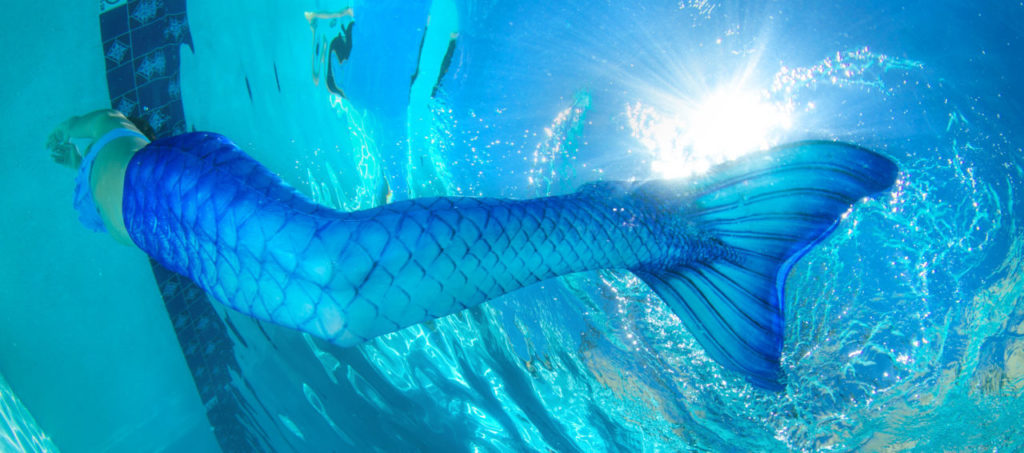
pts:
pixel 141 45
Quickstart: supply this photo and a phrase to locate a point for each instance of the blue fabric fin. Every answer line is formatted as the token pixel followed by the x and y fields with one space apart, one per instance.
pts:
pixel 766 211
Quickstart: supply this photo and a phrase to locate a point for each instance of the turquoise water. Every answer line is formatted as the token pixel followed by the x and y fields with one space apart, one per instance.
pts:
pixel 903 329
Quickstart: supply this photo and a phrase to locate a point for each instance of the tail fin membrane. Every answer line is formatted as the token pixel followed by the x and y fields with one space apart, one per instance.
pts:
pixel 768 209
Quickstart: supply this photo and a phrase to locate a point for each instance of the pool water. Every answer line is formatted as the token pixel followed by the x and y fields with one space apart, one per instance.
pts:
pixel 904 330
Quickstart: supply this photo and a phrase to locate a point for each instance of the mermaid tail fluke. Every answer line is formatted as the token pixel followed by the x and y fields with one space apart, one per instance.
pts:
pixel 716 250
pixel 768 210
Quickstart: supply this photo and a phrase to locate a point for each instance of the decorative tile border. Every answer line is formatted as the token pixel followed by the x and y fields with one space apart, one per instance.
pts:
pixel 141 42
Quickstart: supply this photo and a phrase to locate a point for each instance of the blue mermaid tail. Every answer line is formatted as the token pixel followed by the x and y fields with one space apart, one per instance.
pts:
pixel 716 249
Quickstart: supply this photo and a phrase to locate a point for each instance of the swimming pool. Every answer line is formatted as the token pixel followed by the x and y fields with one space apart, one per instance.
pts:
pixel 903 329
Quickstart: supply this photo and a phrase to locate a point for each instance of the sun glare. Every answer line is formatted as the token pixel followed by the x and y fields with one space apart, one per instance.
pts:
pixel 731 123
pixel 723 126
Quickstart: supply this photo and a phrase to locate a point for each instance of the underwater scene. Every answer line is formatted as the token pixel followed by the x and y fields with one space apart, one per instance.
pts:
pixel 902 329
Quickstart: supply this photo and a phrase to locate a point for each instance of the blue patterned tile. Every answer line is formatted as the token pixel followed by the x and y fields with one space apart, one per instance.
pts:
pixel 141 12
pixel 117 51
pixel 192 293
pixel 177 29
pixel 176 112
pixel 150 66
pixel 157 119
pixel 149 37
pixel 113 23
pixel 154 93
pixel 174 7
pixel 120 80
pixel 174 88
pixel 174 303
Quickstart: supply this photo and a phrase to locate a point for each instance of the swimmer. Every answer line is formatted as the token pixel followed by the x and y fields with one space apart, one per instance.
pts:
pixel 715 248
pixel 99 186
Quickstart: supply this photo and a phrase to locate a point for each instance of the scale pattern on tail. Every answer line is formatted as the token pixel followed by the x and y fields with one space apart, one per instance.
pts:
pixel 716 249
pixel 208 211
